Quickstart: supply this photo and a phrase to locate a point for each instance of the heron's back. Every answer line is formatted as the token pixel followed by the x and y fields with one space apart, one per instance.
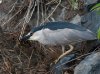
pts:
pixel 66 36
pixel 58 25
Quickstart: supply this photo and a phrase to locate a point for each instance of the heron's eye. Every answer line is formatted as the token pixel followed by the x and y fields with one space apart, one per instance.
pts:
pixel 31 33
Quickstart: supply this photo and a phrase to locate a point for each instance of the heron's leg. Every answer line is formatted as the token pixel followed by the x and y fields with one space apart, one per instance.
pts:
pixel 63 49
pixel 65 53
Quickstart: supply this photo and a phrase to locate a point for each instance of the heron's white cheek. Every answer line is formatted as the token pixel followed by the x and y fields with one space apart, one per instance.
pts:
pixel 34 38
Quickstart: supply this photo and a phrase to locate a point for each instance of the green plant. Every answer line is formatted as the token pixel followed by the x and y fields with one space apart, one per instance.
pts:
pixel 98 33
pixel 74 4
pixel 96 8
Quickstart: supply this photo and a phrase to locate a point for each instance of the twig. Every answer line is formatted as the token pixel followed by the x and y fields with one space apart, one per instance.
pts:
pixel 30 11
pixel 13 7
pixel 50 2
pixel 30 58
pixel 38 8
pixel 12 17
pixel 42 11
pixel 9 11
pixel 52 11
pixel 4 59
pixel 26 21
pixel 17 25
pixel 22 31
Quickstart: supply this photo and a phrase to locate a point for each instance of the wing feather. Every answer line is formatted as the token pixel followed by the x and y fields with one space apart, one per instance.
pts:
pixel 62 36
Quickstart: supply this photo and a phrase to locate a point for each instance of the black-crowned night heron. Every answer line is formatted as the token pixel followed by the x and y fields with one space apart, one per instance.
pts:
pixel 59 33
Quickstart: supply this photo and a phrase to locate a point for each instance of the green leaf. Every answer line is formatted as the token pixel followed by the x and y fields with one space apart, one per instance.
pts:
pixel 74 4
pixel 98 33
pixel 96 8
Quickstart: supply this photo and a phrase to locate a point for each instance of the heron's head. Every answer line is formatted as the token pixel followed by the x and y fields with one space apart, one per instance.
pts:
pixel 26 37
pixel 33 36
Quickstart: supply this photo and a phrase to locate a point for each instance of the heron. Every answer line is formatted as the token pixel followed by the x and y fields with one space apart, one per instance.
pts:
pixel 59 33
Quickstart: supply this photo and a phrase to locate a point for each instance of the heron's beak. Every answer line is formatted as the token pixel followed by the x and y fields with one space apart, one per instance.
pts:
pixel 25 38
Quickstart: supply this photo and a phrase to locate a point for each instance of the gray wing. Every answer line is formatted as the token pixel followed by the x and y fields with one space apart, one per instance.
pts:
pixel 62 36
